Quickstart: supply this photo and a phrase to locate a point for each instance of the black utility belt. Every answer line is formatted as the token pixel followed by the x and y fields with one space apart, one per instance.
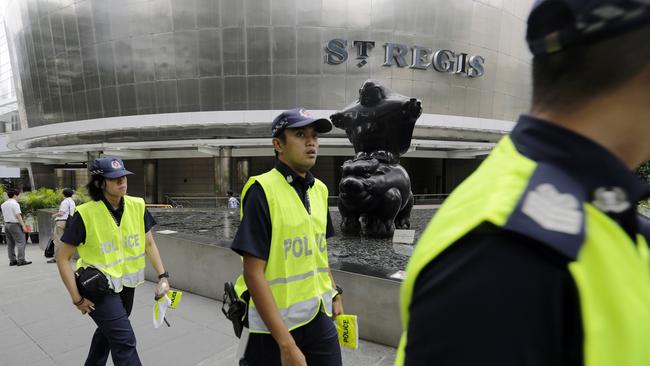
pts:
pixel 92 283
pixel 7 223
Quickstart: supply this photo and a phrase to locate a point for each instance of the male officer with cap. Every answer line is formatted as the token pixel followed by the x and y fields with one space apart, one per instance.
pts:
pixel 282 239
pixel 112 234
pixel 539 257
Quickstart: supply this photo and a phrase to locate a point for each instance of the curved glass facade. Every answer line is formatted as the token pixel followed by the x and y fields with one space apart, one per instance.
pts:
pixel 87 59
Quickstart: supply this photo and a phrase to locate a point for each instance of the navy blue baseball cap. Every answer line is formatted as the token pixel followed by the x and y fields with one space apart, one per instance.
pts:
pixel 109 167
pixel 298 117
pixel 555 25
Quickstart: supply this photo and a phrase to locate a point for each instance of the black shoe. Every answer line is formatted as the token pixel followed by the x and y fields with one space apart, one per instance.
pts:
pixel 23 263
pixel 13 263
pixel 51 260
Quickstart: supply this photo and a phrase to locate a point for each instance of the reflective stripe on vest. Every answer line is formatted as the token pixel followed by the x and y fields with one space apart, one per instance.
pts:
pixel 117 251
pixel 611 272
pixel 297 269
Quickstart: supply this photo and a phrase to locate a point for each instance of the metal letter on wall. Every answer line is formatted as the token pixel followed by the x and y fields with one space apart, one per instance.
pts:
pixel 443 61
pixel 336 51
pixel 395 53
pixel 421 58
pixel 363 47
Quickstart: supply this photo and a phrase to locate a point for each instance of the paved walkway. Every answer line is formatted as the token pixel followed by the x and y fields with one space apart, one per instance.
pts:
pixel 39 326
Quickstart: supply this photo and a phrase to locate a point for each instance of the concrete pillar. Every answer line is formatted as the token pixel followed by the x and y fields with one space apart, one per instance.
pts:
pixel 90 156
pixel 243 173
pixel 150 180
pixel 222 171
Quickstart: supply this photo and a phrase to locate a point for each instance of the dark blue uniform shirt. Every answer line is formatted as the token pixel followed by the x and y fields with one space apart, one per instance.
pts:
pixel 75 230
pixel 254 234
pixel 498 297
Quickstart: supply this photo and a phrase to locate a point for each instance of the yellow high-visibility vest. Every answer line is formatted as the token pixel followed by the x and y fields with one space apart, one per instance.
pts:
pixel 611 272
pixel 297 270
pixel 117 251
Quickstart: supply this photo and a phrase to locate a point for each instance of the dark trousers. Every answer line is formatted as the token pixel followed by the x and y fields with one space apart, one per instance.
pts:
pixel 318 341
pixel 114 333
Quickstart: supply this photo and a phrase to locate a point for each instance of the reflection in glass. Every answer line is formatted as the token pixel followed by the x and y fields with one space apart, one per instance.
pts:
pixel 186 54
pixel 106 64
pixel 166 100
pixel 188 95
pixel 209 52
pixel 211 94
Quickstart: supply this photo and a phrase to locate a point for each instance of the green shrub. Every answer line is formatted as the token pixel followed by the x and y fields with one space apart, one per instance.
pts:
pixel 80 196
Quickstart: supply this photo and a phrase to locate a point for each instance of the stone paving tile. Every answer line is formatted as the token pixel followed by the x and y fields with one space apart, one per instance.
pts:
pixel 39 326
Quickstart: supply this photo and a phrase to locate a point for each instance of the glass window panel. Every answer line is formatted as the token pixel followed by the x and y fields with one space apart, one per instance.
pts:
pixel 143 65
pixel 163 50
pixel 211 94
pixel 67 107
pixel 307 94
pixel 89 61
pixel 140 19
pixel 58 38
pixel 185 45
pixel 207 14
pixel 123 61
pixel 234 96
pixel 188 95
pixel 54 114
pixel 146 98
pixel 101 20
pixel 283 46
pixel 334 13
pixel 106 64
pixel 308 12
pixel 284 12
pixel 65 83
pixel 80 109
pixel 166 100
pixel 258 12
pixel 259 92
pixel 109 101
pixel 94 100
pixel 209 52
pixel 75 68
pixel 258 42
pixel 233 51
pixel 232 13
pixel 85 23
pixel 70 28
pixel 128 104
pixel 161 16
pixel 119 21
pixel 183 14
pixel 310 55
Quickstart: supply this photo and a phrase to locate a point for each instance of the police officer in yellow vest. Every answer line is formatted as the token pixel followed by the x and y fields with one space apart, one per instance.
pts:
pixel 539 257
pixel 282 238
pixel 112 235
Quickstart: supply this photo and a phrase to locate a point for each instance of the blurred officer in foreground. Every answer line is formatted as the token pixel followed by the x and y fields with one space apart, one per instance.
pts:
pixel 539 257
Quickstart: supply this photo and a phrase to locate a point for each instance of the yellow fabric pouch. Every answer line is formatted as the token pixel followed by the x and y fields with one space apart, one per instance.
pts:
pixel 346 326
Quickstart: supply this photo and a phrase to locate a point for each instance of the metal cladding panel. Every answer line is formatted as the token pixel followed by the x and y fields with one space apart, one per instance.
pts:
pixel 88 59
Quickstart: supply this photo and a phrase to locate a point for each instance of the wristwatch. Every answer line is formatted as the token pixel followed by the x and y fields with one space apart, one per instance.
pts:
pixel 339 291
pixel 163 275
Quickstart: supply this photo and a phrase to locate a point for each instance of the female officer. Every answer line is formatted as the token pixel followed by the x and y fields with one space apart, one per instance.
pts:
pixel 111 234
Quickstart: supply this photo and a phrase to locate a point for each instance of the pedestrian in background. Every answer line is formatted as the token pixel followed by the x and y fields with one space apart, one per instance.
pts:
pixel 66 210
pixel 15 229
pixel 232 201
